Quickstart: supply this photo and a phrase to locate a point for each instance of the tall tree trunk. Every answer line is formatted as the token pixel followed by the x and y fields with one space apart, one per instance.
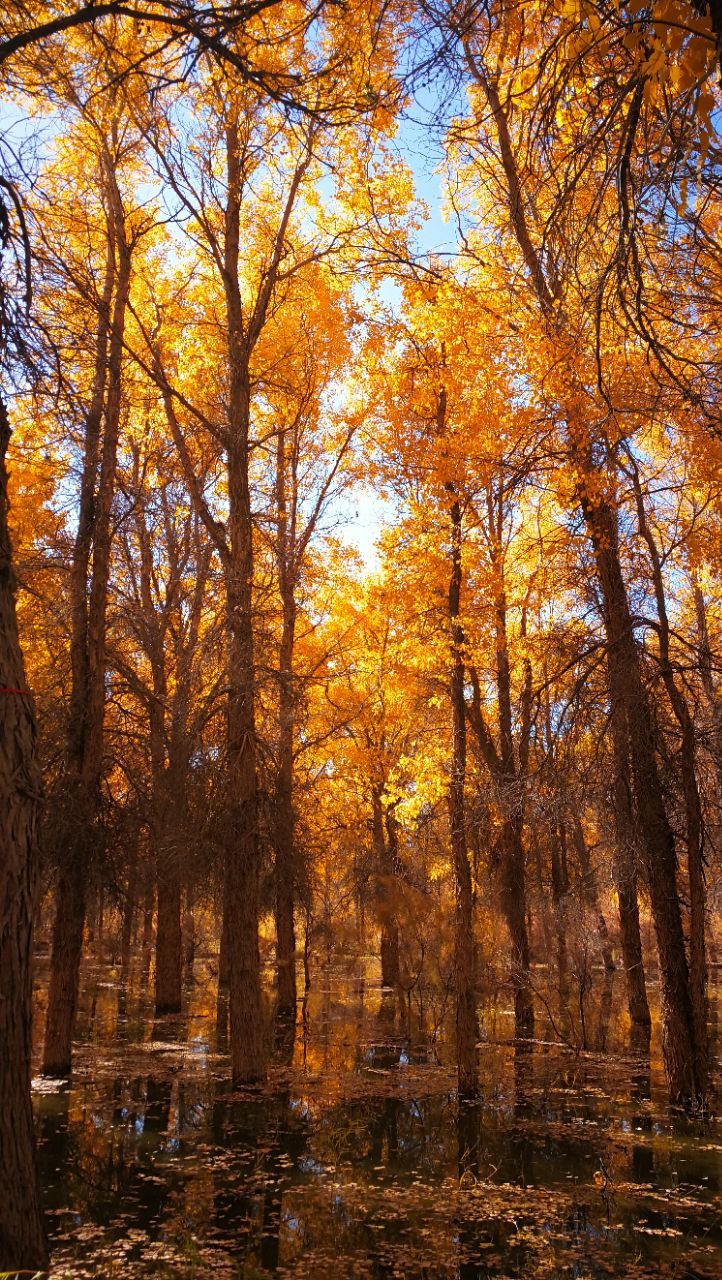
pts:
pixel 234 542
pixel 560 896
pixel 513 869
pixel 85 732
pixel 22 1236
pixel 131 893
pixel 100 922
pixel 188 928
pixel 146 940
pixel 394 871
pixel 542 895
pixel 243 869
pixel 513 902
pixel 224 951
pixel 168 939
pixel 168 782
pixel 625 881
pixel 683 1057
pixel 464 975
pixel 692 802
pixel 509 853
pixel 284 833
pixel 168 949
pixel 243 866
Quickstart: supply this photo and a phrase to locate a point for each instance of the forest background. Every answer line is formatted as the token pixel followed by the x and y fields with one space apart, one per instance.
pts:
pixel 221 321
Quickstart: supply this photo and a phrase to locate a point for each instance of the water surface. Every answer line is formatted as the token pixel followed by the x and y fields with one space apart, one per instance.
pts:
pixel 355 1161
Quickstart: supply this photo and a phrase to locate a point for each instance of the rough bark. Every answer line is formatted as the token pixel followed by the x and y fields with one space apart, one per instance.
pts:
pixel 22 1236
pixel 168 950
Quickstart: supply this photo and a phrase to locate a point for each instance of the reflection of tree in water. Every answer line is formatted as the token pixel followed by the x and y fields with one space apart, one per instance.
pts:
pixel 487 1241
pixel 57 1159
pixel 284 1151
pixel 262 1139
pixel 104 1165
pixel 468 1122
pixel 523 1077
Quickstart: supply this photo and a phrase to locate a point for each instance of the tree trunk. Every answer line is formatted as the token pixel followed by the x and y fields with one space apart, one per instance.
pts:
pixel 543 896
pixel 22 1236
pixel 188 928
pixel 146 942
pixel 131 892
pixel 683 1058
pixel 87 704
pixel 464 975
pixel 560 896
pixel 68 928
pixel 284 833
pixel 513 901
pixel 100 922
pixel 224 953
pixel 243 866
pixel 692 803
pixel 625 880
pixel 243 869
pixel 509 778
pixel 168 949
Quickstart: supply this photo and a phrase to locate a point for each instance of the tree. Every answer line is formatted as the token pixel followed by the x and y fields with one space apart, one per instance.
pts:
pixel 585 443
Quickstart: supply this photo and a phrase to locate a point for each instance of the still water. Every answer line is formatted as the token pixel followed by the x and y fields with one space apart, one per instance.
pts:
pixel 355 1162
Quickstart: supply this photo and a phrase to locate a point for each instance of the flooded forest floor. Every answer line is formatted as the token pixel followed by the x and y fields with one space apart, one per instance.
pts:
pixel 355 1161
